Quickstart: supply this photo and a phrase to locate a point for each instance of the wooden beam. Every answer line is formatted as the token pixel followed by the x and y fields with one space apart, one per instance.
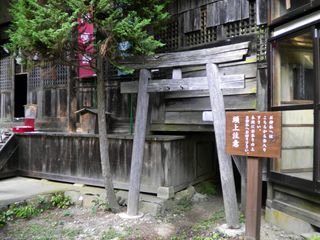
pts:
pixel 250 88
pixel 225 162
pixel 138 143
pixel 235 81
pixel 228 53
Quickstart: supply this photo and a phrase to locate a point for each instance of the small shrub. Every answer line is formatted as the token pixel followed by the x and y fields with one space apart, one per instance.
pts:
pixel 207 187
pixel 67 213
pixel 242 218
pixel 3 220
pixel 59 200
pixel 26 211
pixel 43 202
pixel 99 204
pixel 183 205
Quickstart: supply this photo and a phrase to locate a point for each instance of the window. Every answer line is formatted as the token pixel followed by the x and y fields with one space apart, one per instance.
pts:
pixel 297 145
pixel 294 69
pixel 283 7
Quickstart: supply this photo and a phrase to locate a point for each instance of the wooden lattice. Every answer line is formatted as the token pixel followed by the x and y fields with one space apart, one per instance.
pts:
pixel 63 74
pixel 34 78
pixel 204 35
pixel 49 74
pixel 205 23
pixel 262 38
pixel 54 74
pixel 6 73
pixel 170 34
pixel 242 27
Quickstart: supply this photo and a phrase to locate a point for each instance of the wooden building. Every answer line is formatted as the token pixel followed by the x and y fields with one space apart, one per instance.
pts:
pixel 294 179
pixel 180 148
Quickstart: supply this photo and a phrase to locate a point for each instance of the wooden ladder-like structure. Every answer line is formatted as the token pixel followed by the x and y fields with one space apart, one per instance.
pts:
pixel 8 146
pixel 212 82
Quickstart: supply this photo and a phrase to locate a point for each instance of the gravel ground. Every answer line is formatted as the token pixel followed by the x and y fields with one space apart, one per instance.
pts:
pixel 198 220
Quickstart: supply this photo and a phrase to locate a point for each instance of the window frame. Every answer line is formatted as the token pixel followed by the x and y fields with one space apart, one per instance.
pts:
pixel 277 177
pixel 298 12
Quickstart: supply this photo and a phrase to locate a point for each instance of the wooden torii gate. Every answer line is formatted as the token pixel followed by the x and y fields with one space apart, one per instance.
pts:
pixel 212 82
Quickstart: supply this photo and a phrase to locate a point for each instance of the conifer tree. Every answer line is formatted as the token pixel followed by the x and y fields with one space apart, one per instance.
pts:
pixel 47 29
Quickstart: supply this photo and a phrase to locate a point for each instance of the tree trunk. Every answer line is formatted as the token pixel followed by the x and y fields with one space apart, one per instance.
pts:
pixel 103 138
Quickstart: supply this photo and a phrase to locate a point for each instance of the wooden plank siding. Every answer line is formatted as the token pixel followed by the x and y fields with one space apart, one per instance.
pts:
pixel 168 160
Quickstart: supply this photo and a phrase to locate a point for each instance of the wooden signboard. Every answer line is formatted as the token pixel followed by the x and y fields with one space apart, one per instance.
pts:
pixel 254 134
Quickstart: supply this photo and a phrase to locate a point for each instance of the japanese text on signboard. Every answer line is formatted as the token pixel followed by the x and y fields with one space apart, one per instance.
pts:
pixel 254 134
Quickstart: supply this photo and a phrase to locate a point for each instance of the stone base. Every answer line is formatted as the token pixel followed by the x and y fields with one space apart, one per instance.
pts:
pixel 287 222
pixel 126 216
pixel 165 192
pixel 224 229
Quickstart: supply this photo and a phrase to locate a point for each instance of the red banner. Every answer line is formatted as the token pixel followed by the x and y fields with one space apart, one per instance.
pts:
pixel 86 46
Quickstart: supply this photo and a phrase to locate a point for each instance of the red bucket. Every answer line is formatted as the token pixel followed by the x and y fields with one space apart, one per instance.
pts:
pixel 29 122
pixel 21 129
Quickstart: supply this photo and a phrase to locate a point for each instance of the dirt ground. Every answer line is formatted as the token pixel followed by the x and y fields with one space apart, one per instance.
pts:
pixel 196 219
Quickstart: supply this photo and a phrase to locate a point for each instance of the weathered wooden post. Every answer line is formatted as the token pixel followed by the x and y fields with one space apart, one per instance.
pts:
pixel 225 162
pixel 254 134
pixel 138 143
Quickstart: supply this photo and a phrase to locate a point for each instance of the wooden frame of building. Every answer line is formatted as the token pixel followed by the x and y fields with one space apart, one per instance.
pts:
pixel 293 190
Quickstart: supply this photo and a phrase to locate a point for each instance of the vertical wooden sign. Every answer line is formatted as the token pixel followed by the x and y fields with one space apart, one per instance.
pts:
pixel 253 134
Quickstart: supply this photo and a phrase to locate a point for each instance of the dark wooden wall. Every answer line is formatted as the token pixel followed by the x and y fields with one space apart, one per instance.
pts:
pixel 194 24
pixel 6 88
pixel 47 87
pixel 168 161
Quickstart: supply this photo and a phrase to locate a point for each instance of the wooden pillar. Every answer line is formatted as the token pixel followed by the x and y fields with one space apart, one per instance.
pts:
pixel 138 143
pixel 72 100
pixel 253 206
pixel 225 162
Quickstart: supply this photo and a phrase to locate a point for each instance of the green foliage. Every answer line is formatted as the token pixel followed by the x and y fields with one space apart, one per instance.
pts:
pixel 99 204
pixel 38 28
pixel 206 224
pixel 214 236
pixel 3 218
pixel 316 237
pixel 111 233
pixel 26 211
pixel 67 213
pixel 242 218
pixel 206 187
pixel 47 27
pixel 35 208
pixel 59 200
pixel 183 205
pixel 71 232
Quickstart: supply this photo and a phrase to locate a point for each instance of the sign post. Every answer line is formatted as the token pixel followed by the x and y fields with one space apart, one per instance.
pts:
pixel 255 135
